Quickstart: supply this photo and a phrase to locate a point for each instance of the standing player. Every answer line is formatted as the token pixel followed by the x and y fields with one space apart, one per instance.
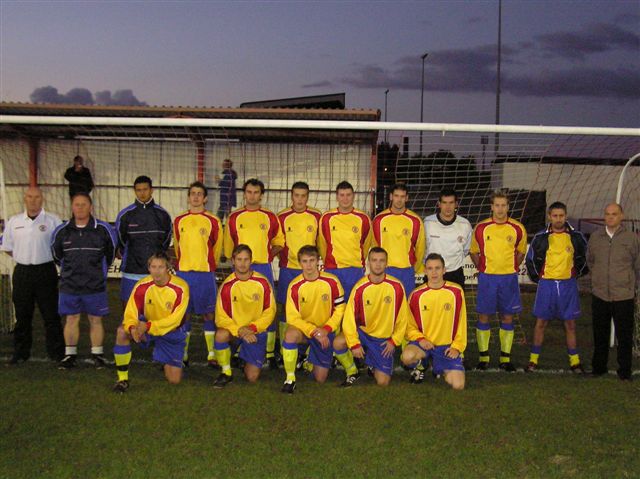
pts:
pixel 449 235
pixel 437 327
pixel 299 224
pixel 557 257
pixel 258 228
pixel 27 238
pixel 315 305
pixel 198 244
pixel 374 322
pixel 143 228
pixel 84 247
pixel 244 310
pixel 154 315
pixel 344 238
pixel 401 233
pixel 498 246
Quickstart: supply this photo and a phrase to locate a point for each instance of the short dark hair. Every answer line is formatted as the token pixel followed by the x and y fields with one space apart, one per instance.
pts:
pixel 142 179
pixel 301 185
pixel 498 194
pixel 159 255
pixel 78 158
pixel 344 185
pixel 253 182
pixel 557 205
pixel 398 186
pixel 448 192
pixel 83 194
pixel 240 248
pixel 198 184
pixel 308 250
pixel 377 249
pixel 434 256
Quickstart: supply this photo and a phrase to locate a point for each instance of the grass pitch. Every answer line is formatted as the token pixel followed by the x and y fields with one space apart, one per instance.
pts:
pixel 68 424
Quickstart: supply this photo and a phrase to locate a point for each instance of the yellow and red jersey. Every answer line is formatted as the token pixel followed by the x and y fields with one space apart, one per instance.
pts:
pixel 315 303
pixel 197 239
pixel 299 229
pixel 344 239
pixel 402 236
pixel 247 302
pixel 259 229
pixel 379 309
pixel 498 245
pixel 438 315
pixel 162 307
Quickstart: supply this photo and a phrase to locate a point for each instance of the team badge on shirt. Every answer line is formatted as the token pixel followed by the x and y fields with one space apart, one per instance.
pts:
pixel 405 232
pixel 325 297
pixel 447 306
pixel 310 229
pixel 387 299
pixel 203 232
pixel 42 228
pixel 355 229
pixel 510 239
pixel 460 239
pixel 168 305
pixel 263 226
pixel 255 297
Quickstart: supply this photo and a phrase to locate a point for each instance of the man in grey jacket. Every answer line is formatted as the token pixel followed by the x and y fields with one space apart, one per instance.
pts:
pixel 614 260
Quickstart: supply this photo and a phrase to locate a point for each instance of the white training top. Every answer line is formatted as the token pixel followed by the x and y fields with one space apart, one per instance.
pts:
pixel 451 240
pixel 30 240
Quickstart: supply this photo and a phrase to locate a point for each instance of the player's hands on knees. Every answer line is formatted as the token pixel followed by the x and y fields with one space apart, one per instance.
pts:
pixel 320 334
pixel 247 335
pixel 452 353
pixel 426 345
pixel 137 332
pixel 358 352
pixel 388 349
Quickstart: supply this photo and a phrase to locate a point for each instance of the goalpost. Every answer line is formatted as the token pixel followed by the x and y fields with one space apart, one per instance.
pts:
pixel 535 165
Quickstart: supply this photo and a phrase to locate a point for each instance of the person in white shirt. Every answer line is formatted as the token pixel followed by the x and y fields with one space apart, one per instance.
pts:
pixel 449 235
pixel 27 238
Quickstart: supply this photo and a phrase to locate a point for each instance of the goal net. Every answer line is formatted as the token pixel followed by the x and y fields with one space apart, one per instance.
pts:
pixel 534 165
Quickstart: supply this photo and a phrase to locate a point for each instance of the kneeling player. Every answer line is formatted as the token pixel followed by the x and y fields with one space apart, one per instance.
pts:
pixel 315 305
pixel 154 316
pixel 374 322
pixel 437 327
pixel 244 310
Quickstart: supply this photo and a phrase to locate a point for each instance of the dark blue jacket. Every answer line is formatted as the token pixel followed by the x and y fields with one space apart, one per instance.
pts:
pixel 84 255
pixel 143 229
pixel 537 254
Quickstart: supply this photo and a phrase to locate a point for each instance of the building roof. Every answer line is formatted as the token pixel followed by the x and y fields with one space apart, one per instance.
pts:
pixel 242 134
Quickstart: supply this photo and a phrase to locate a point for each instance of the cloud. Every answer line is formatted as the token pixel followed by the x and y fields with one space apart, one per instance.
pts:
pixel 595 38
pixel 82 96
pixel 471 70
pixel 318 84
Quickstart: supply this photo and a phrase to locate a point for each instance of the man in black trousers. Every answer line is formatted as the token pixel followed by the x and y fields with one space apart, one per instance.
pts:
pixel 35 280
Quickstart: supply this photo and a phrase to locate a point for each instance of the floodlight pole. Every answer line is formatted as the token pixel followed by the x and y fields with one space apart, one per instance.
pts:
pixel 424 57
pixel 386 93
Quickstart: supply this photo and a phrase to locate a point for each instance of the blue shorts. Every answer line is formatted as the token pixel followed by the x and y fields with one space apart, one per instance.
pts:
pixel 254 353
pixel 94 304
pixel 440 362
pixel 318 356
pixel 202 291
pixel 348 278
pixel 557 299
pixel 407 277
pixel 373 353
pixel 498 293
pixel 284 280
pixel 265 270
pixel 169 348
pixel 127 284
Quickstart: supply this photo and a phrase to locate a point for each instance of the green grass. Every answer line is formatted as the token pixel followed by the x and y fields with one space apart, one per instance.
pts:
pixel 63 424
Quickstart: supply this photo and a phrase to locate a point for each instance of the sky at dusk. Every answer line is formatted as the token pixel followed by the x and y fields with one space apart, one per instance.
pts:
pixel 563 62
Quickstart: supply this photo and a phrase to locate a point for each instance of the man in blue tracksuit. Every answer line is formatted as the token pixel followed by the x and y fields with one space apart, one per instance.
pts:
pixel 143 229
pixel 84 247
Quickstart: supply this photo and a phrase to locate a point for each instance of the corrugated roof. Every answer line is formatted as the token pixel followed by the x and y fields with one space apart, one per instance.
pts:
pixel 243 134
